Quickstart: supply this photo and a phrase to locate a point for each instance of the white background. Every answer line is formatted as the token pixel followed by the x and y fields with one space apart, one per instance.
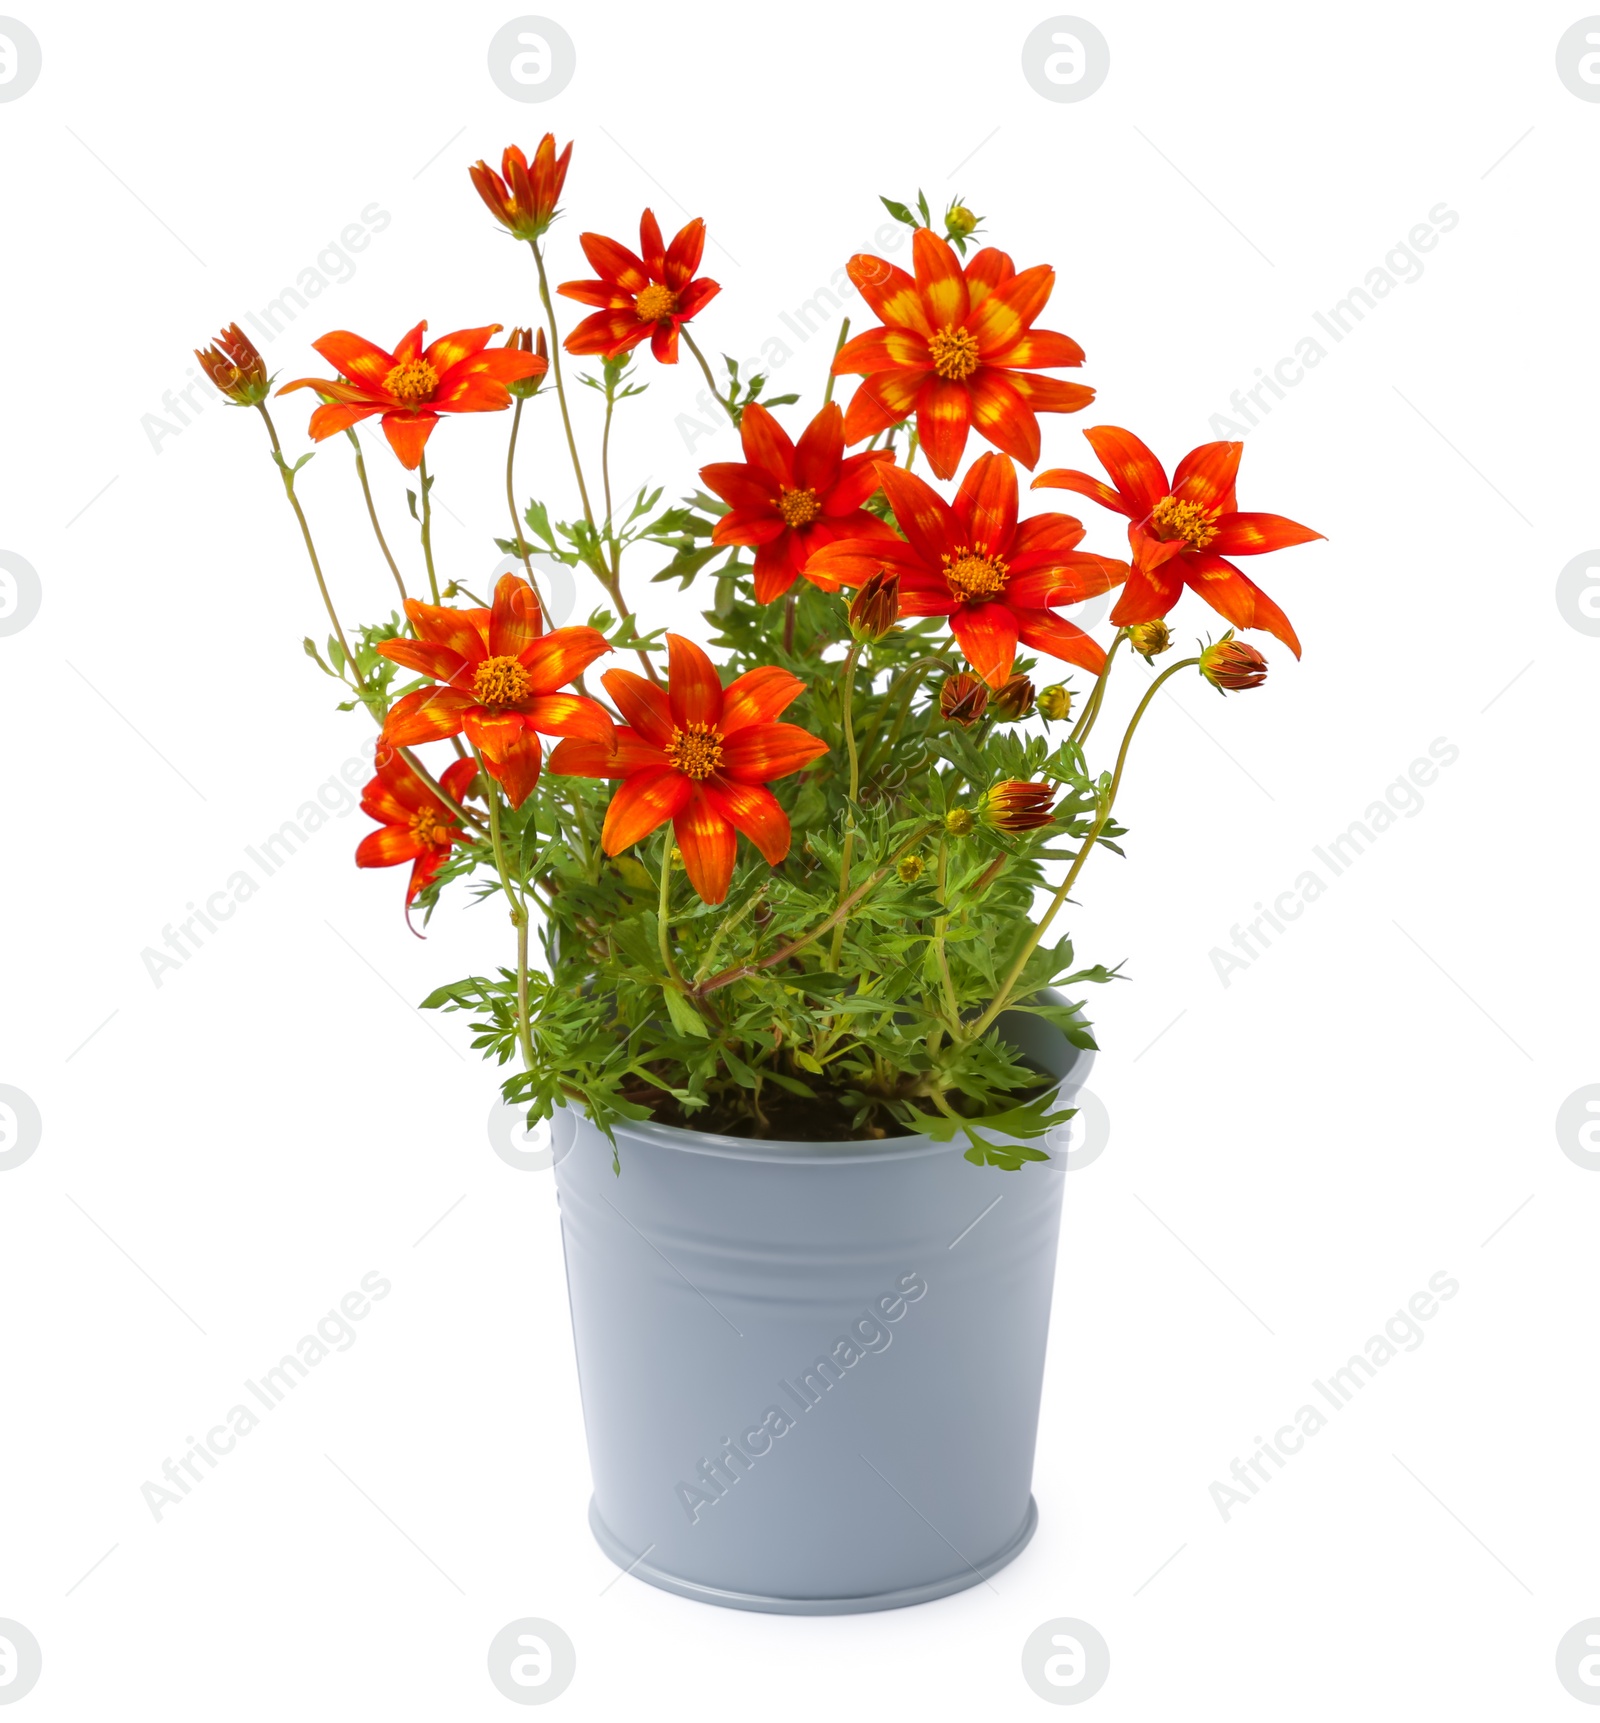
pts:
pixel 225 1155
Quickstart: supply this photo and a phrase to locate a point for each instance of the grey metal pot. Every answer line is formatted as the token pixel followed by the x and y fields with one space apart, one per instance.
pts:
pixel 811 1371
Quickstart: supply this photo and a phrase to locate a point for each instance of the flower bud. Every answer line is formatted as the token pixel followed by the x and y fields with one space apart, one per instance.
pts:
pixel 963 699
pixel 232 365
pixel 522 197
pixel 1015 700
pixel 958 219
pixel 1230 666
pixel 524 341
pixel 1015 806
pixel 1149 639
pixel 1055 702
pixel 874 608
pixel 909 868
pixel 959 822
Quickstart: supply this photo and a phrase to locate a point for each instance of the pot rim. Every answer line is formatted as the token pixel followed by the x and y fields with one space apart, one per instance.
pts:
pixel 803 1153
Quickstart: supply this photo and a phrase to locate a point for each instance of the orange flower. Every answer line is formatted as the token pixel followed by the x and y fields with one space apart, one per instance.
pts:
pixel 958 349
pixel 523 199
pixel 700 755
pixel 413 824
pixel 497 676
pixel 641 296
pixel 233 365
pixel 1183 533
pixel 413 385
pixel 788 501
pixel 996 578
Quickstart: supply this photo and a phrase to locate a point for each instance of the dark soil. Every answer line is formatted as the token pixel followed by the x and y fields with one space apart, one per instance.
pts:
pixel 786 1118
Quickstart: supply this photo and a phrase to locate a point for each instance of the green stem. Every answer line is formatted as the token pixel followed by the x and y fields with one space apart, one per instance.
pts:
pixel 372 515
pixel 906 681
pixel 427 526
pixel 410 759
pixel 561 387
pixel 664 912
pixel 511 503
pixel 613 585
pixel 911 449
pixel 1091 706
pixel 605 477
pixel 847 853
pixel 784 952
pixel 311 550
pixel 727 407
pixel 1003 997
pixel 838 347
pixel 519 912
pixel 939 927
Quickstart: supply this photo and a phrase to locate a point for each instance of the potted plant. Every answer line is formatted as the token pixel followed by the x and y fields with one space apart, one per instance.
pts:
pixel 794 1016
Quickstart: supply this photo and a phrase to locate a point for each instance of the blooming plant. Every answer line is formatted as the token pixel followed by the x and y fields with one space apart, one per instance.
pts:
pixel 786 886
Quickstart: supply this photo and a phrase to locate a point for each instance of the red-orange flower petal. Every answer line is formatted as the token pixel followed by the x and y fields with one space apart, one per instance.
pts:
pixel 1046 632
pixel 760 752
pixel 556 659
pixel 708 842
pixel 753 810
pixel 694 689
pixel 642 703
pixel 643 800
pixel 408 435
pixel 1233 594
pixel 988 636
pixel 516 621
pixel 517 769
pixel 579 757
pixel 758 697
pixel 890 292
pixel 1134 470
pixel 428 715
pixel 1253 534
pixel 944 411
pixel 1206 475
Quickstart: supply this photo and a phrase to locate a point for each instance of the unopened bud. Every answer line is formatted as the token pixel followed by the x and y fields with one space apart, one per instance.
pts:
pixel 1230 666
pixel 875 607
pixel 1015 700
pixel 1015 806
pixel 959 822
pixel 524 341
pixel 232 365
pixel 1149 639
pixel 1055 702
pixel 909 868
pixel 963 699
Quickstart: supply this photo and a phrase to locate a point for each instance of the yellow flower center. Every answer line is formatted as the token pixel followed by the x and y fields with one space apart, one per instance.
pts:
pixel 429 829
pixel 500 682
pixel 412 380
pixel 954 353
pixel 696 750
pixel 655 302
pixel 799 508
pixel 1194 525
pixel 975 577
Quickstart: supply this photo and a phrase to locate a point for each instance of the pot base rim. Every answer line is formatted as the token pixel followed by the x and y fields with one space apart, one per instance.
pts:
pixel 901 1598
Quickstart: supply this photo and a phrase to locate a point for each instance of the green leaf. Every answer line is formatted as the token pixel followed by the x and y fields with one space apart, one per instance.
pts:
pixel 685 1019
